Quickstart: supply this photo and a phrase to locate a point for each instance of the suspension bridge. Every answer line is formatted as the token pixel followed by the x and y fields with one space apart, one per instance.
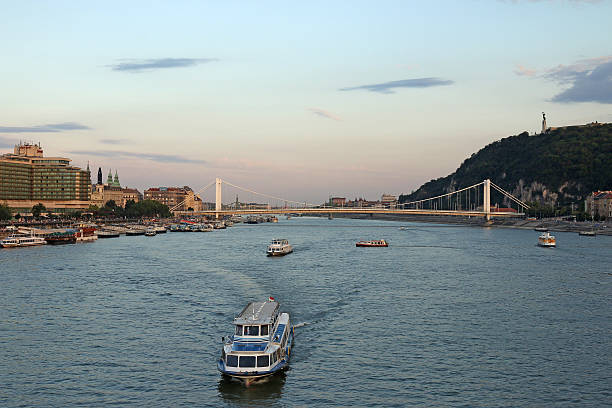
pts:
pixel 473 201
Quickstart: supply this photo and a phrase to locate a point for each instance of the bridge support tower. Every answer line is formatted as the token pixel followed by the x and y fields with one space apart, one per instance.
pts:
pixel 218 197
pixel 486 201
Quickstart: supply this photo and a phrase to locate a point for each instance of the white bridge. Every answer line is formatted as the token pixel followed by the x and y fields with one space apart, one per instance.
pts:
pixel 473 201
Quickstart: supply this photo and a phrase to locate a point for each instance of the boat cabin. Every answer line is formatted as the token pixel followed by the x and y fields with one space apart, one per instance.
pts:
pixel 256 319
pixel 281 242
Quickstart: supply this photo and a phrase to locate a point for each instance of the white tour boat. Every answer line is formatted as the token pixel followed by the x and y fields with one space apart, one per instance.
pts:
pixel 22 241
pixel 546 240
pixel 261 344
pixel 279 247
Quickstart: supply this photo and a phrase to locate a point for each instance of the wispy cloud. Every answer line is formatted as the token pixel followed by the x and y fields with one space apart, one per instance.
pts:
pixel 145 65
pixel 524 71
pixel 388 87
pixel 113 141
pixel 588 80
pixel 163 158
pixel 51 128
pixel 324 114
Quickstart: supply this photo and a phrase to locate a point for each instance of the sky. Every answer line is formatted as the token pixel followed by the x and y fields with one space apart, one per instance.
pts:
pixel 299 100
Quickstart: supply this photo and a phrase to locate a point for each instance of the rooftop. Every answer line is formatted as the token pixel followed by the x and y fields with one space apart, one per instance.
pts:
pixel 258 313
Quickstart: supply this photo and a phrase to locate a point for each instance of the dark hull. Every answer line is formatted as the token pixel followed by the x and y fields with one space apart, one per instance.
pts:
pixel 61 241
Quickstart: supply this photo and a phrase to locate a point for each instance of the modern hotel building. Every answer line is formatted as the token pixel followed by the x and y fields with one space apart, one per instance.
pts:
pixel 27 178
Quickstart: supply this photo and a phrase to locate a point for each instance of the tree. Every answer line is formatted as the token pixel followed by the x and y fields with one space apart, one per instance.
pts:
pixel 37 209
pixel 5 212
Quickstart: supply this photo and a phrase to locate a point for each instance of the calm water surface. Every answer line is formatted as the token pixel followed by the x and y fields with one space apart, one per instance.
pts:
pixel 446 316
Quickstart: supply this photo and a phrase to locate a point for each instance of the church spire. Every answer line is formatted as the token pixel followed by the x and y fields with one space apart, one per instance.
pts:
pixel 109 179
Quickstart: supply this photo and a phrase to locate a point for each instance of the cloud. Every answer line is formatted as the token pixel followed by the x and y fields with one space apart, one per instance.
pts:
pixel 51 128
pixel 387 87
pixel 324 114
pixel 112 141
pixel 524 71
pixel 163 158
pixel 138 66
pixel 588 80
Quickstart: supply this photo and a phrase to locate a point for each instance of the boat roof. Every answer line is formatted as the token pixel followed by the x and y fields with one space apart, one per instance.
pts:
pixel 258 313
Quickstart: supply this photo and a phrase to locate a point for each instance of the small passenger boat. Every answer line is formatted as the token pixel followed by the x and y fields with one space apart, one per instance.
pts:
pixel 22 241
pixel 587 233
pixel 546 240
pixel 378 243
pixel 279 247
pixel 261 343
pixel 541 229
pixel 150 232
pixel 134 232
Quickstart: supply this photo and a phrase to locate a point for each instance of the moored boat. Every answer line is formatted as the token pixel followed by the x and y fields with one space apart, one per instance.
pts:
pixel 279 247
pixel 134 231
pixel 541 229
pixel 376 243
pixel 86 234
pixel 160 229
pixel 14 241
pixel 150 232
pixel 107 234
pixel 261 343
pixel 587 233
pixel 62 237
pixel 546 240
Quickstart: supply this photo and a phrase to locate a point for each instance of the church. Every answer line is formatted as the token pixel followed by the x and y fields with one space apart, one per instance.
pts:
pixel 101 193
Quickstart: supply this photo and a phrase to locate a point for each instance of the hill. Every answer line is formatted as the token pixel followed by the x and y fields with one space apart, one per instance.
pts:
pixel 557 168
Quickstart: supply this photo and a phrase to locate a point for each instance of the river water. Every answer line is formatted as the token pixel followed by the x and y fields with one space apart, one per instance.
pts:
pixel 446 316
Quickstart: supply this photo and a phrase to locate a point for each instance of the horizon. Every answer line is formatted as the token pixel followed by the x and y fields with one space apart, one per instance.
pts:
pixel 303 101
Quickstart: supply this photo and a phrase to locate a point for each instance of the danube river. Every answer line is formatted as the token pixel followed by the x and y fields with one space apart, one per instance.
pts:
pixel 446 316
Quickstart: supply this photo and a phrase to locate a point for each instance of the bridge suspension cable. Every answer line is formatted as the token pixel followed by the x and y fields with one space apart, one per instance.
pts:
pixel 510 196
pixel 198 192
pixel 443 195
pixel 267 195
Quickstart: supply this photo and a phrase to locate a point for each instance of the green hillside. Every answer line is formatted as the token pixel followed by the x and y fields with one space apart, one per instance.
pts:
pixel 558 168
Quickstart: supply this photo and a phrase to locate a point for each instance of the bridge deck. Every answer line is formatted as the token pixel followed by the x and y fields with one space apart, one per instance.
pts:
pixel 462 213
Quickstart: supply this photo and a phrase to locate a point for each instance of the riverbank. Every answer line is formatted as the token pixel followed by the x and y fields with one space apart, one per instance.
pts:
pixel 600 228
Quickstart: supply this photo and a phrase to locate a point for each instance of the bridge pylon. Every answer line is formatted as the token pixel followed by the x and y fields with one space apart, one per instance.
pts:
pixel 486 202
pixel 218 201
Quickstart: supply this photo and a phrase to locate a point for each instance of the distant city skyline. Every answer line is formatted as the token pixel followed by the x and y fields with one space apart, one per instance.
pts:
pixel 299 100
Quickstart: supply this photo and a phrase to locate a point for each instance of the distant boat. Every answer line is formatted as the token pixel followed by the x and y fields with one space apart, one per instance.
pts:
pixel 541 229
pixel 547 241
pixel 150 232
pixel 377 243
pixel 587 233
pixel 279 247
pixel 134 232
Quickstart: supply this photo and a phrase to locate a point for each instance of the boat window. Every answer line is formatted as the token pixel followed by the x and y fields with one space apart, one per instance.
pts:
pixel 263 361
pixel 247 361
pixel 232 361
pixel 264 330
pixel 251 330
pixel 238 330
